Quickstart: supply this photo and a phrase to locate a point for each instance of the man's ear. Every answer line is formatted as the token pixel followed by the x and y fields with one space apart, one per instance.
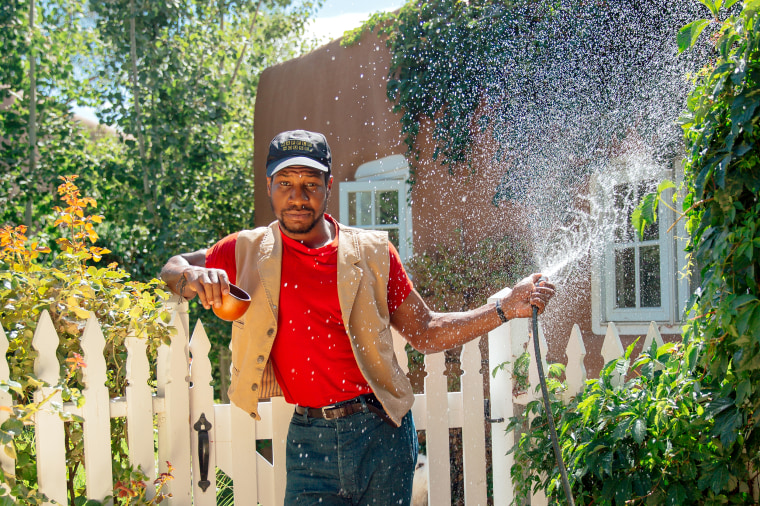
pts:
pixel 269 186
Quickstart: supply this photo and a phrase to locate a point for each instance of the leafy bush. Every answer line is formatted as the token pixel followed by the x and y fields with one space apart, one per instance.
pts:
pixel 463 277
pixel 654 439
pixel 70 287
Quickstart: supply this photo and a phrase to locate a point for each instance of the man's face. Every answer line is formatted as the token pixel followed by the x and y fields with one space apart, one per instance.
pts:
pixel 299 198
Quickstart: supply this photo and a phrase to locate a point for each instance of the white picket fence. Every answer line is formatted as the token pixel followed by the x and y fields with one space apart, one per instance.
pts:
pixel 183 403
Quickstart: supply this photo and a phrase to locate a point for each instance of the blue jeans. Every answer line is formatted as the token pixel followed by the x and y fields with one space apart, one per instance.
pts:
pixel 356 460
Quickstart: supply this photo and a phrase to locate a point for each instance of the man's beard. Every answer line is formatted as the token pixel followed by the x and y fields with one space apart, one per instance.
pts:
pixel 304 228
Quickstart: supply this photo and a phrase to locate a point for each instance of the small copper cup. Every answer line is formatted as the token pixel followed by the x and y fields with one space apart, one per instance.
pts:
pixel 234 305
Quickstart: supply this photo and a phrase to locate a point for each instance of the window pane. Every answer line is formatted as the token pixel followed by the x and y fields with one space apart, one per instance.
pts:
pixel 393 237
pixel 625 278
pixel 652 231
pixel 622 199
pixel 360 208
pixel 649 271
pixel 625 201
pixel 387 207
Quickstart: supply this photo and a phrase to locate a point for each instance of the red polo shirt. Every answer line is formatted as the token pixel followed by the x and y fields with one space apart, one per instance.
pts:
pixel 312 355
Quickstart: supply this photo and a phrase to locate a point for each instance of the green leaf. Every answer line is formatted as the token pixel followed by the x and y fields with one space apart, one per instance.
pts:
pixel 13 426
pixel 743 391
pixel 676 495
pixel 726 426
pixel 10 451
pixel 639 430
pixel 713 5
pixel 744 316
pixel 688 35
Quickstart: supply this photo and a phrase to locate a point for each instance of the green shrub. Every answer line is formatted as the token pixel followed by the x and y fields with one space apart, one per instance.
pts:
pixel 69 286
pixel 654 439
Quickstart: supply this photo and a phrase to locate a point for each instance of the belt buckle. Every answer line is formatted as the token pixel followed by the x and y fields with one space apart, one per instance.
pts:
pixel 324 410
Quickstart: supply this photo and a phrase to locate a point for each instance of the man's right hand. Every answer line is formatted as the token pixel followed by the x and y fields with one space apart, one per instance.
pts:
pixel 186 275
pixel 209 284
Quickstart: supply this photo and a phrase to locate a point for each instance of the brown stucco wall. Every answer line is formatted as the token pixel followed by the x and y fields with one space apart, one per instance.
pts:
pixel 341 92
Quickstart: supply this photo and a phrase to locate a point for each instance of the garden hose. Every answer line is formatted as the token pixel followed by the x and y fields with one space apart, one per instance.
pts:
pixel 549 415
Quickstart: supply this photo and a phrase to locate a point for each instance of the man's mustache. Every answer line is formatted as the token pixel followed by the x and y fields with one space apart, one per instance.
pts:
pixel 299 208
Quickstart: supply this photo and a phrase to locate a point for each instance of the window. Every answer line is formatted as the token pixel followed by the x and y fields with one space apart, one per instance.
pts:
pixel 378 200
pixel 637 280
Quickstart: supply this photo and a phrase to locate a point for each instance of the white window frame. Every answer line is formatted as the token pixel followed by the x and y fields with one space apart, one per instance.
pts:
pixel 674 285
pixel 389 173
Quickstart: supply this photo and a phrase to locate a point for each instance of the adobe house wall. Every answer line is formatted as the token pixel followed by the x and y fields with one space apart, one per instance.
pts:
pixel 341 92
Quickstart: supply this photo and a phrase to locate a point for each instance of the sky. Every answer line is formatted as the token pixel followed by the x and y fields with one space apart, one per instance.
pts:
pixel 337 16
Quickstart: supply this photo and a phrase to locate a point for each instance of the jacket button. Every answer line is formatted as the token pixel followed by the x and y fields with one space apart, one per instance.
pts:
pixel 270 332
pixel 254 387
pixel 260 359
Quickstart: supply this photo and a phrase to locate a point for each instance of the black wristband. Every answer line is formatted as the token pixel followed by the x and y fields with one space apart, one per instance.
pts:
pixel 500 312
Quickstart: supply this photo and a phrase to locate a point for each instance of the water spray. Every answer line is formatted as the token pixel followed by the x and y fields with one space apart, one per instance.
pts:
pixel 547 406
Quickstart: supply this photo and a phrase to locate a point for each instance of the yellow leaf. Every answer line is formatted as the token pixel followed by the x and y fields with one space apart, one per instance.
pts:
pixel 81 313
pixel 10 450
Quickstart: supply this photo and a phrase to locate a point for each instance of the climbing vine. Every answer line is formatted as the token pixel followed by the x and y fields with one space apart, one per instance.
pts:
pixel 535 73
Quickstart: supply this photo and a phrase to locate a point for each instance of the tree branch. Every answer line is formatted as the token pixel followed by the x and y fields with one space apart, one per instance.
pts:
pixel 136 97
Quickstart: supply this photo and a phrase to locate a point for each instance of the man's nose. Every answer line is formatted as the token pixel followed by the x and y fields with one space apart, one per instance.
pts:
pixel 298 193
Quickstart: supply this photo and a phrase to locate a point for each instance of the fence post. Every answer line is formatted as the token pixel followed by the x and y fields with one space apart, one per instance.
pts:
pixel 505 344
pixel 174 422
pixel 6 400
pixel 575 372
pixel 282 412
pixel 653 335
pixel 202 418
pixel 140 411
pixel 96 414
pixel 244 460
pixel 473 427
pixel 437 429
pixel 48 430
pixel 612 349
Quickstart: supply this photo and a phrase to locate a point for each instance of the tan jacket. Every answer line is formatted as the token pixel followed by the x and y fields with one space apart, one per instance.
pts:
pixel 363 270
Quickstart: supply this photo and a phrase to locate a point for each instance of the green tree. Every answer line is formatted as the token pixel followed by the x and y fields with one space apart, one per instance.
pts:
pixel 43 43
pixel 180 82
pixel 176 82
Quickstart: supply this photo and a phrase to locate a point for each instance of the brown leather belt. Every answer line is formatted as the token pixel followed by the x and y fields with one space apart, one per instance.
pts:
pixel 347 408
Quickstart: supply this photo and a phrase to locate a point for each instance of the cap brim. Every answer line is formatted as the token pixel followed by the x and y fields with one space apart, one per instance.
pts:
pixel 301 161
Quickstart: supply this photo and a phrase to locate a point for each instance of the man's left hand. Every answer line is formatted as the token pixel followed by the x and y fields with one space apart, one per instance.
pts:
pixel 528 293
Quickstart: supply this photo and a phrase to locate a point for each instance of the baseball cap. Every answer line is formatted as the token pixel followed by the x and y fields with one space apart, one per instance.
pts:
pixel 298 147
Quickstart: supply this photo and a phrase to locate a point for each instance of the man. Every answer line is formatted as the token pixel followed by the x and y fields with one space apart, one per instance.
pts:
pixel 324 297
